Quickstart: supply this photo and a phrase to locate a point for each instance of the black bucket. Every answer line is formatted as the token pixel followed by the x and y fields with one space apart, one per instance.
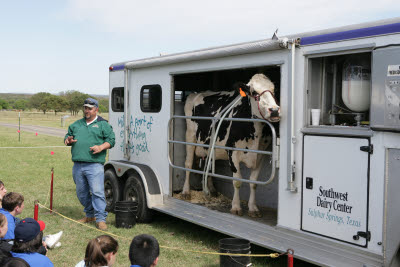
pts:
pixel 125 214
pixel 234 246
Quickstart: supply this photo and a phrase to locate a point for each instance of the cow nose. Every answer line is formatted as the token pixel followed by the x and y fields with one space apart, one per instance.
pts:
pixel 274 112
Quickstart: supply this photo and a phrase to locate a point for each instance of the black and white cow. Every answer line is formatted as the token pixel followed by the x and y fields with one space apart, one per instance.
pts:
pixel 260 103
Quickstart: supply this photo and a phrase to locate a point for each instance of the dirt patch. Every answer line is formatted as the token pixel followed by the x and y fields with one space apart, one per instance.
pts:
pixel 223 204
pixel 220 202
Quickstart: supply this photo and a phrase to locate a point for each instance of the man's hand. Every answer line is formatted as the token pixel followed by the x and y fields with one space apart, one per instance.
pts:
pixel 99 148
pixel 70 140
pixel 96 149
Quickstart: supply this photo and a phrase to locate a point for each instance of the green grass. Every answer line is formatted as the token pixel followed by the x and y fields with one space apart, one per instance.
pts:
pixel 38 118
pixel 28 171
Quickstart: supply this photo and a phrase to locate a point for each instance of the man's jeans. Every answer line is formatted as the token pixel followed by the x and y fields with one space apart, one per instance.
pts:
pixel 89 180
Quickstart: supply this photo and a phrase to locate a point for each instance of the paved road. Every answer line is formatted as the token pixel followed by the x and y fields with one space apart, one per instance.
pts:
pixel 39 129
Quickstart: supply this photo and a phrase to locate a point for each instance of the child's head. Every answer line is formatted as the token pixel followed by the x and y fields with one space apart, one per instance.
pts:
pixel 13 202
pixel 101 251
pixel 3 190
pixel 3 225
pixel 144 250
pixel 28 236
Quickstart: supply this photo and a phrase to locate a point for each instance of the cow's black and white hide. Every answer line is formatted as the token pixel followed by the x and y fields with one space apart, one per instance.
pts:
pixel 249 135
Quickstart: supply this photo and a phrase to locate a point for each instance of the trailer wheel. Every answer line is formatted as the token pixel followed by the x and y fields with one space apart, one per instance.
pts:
pixel 134 191
pixel 112 189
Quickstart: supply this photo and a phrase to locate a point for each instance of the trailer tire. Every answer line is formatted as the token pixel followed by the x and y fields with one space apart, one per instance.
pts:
pixel 134 191
pixel 112 189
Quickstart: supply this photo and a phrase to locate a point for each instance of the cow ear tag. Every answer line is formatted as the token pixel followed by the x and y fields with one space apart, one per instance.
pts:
pixel 243 94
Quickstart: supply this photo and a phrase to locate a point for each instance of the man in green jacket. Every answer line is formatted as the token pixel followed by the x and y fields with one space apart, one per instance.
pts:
pixel 90 138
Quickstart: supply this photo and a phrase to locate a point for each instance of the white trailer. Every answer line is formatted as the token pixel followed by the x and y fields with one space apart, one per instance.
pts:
pixel 334 197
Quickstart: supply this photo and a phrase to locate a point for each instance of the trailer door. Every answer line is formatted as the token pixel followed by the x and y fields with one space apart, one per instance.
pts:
pixel 335 188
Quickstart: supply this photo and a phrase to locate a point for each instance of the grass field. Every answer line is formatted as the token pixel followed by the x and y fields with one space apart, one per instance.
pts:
pixel 27 170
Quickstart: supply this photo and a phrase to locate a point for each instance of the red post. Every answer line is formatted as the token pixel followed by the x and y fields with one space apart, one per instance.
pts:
pixel 36 211
pixel 51 190
pixel 290 260
pixel 290 257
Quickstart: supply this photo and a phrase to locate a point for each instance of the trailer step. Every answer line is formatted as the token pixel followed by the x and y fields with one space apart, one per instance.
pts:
pixel 307 246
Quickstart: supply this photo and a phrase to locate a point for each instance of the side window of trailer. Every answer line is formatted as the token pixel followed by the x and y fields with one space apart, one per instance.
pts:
pixel 151 98
pixel 117 99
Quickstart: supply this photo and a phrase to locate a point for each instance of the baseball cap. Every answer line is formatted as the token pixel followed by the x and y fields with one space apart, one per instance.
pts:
pixel 91 103
pixel 28 229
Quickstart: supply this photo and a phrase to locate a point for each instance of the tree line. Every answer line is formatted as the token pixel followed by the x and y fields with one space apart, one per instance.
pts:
pixel 71 101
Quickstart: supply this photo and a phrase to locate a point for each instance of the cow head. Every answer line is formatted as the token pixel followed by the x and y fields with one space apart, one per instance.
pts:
pixel 263 103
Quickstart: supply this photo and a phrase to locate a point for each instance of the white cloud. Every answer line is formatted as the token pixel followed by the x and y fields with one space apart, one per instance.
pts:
pixel 222 20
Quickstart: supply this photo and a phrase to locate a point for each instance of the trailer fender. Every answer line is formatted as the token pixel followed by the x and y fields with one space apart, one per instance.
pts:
pixel 150 181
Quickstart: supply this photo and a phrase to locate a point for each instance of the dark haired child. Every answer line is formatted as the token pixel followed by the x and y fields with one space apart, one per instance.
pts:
pixel 28 241
pixel 13 205
pixel 144 251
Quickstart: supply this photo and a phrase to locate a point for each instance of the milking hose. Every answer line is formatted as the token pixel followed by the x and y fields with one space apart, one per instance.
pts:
pixel 214 139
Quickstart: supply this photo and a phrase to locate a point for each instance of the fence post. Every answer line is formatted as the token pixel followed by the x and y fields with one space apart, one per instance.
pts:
pixel 290 253
pixel 36 211
pixel 51 190
pixel 19 126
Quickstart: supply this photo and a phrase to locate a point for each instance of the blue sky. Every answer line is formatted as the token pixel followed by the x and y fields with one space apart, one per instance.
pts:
pixel 54 46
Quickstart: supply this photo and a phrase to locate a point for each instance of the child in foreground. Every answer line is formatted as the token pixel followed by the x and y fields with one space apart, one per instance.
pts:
pixel 3 191
pixel 100 251
pixel 28 241
pixel 13 205
pixel 5 247
pixel 144 251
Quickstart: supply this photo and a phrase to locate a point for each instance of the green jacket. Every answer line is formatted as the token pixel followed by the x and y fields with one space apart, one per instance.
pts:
pixel 87 136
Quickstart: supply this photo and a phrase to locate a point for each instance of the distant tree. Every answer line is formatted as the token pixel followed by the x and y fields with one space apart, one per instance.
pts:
pixel 4 104
pixel 9 96
pixel 75 100
pixel 36 101
pixel 103 105
pixel 20 104
pixel 56 103
pixel 11 103
pixel 44 106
